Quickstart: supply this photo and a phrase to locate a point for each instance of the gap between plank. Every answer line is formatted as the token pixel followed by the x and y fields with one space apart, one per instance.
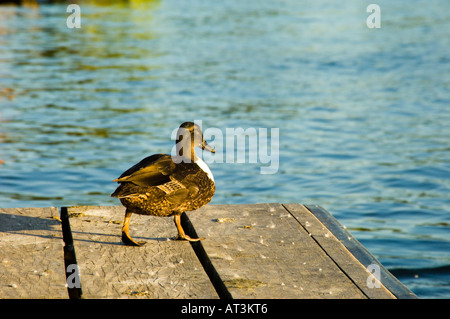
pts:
pixel 70 257
pixel 202 256
pixel 389 281
pixel 324 250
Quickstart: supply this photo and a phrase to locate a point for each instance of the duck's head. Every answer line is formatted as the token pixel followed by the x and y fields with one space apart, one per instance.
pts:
pixel 190 135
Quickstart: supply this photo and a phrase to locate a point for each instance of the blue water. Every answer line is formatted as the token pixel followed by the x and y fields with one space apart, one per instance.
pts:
pixel 363 114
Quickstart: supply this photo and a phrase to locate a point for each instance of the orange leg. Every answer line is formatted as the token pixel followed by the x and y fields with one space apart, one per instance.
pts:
pixel 126 238
pixel 181 234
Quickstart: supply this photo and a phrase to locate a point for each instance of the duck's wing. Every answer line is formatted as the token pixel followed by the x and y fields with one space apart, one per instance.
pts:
pixel 151 171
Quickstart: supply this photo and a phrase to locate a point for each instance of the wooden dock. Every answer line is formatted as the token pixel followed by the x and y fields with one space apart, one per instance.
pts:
pixel 250 251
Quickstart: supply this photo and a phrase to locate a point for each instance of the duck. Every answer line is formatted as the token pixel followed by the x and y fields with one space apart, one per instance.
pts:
pixel 167 185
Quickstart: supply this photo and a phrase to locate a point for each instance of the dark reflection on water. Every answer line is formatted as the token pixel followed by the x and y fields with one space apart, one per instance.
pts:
pixel 363 114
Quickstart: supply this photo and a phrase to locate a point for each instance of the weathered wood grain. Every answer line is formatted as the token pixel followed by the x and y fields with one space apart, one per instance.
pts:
pixel 337 252
pixel 31 254
pixel 364 257
pixel 261 251
pixel 250 251
pixel 162 268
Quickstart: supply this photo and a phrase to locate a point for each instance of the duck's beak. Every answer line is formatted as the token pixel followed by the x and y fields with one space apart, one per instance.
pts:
pixel 208 148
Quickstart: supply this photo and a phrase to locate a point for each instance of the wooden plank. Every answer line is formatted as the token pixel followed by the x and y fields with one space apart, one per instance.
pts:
pixel 388 280
pixel 250 251
pixel 162 268
pixel 261 251
pixel 349 264
pixel 31 254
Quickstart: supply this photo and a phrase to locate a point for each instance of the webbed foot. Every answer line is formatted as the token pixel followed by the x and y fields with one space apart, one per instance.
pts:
pixel 127 240
pixel 186 237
